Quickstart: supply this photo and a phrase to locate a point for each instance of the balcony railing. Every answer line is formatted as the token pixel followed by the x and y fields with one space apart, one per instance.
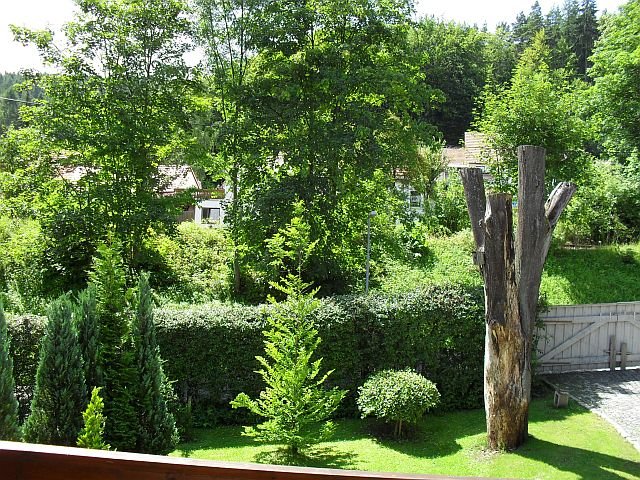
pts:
pixel 24 461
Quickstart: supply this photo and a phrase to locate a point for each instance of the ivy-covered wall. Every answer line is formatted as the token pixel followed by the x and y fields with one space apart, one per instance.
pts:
pixel 210 351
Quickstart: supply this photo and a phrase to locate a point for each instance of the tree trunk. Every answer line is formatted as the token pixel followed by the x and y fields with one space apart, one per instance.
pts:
pixel 511 272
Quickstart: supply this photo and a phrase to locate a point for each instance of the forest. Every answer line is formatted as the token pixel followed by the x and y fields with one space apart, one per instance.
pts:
pixel 304 110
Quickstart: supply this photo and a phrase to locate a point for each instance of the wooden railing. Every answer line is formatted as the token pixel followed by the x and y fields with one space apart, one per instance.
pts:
pixel 24 461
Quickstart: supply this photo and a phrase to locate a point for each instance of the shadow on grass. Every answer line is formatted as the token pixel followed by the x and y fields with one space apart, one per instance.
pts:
pixel 584 463
pixel 435 435
pixel 314 457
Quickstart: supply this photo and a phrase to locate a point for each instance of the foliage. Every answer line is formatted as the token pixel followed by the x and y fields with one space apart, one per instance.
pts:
pixel 594 215
pixel 157 429
pixel 537 109
pixel 22 265
pixel 13 97
pixel 87 326
pixel 211 348
pixel 195 263
pixel 113 109
pixel 295 403
pixel 60 392
pixel 452 59
pixel 616 93
pixel 92 433
pixel 398 396
pixel 333 72
pixel 115 355
pixel 9 425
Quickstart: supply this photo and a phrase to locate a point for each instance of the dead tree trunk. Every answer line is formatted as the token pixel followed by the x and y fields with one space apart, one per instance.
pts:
pixel 512 271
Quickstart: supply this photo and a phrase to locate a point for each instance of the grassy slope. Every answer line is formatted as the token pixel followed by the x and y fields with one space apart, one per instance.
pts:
pixel 564 444
pixel 598 275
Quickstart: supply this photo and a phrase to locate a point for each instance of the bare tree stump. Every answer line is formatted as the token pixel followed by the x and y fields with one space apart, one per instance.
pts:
pixel 512 271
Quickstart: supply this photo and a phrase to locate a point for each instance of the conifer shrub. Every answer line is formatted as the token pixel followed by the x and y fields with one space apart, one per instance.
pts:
pixel 86 318
pixel 92 433
pixel 60 392
pixel 399 396
pixel 157 427
pixel 9 426
pixel 295 402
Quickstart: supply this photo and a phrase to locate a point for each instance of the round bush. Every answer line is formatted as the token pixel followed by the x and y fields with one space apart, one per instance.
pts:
pixel 397 395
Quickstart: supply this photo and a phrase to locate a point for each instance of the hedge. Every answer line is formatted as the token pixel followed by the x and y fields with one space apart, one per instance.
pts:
pixel 210 350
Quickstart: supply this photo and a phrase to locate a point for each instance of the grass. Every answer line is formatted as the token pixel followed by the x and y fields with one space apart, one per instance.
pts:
pixel 564 444
pixel 571 276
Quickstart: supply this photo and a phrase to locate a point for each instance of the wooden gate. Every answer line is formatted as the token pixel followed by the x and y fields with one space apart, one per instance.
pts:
pixel 589 337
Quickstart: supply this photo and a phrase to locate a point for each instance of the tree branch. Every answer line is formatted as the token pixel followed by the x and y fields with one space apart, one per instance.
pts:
pixel 473 184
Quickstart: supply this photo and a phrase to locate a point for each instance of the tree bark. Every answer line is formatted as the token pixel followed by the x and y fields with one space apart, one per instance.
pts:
pixel 512 272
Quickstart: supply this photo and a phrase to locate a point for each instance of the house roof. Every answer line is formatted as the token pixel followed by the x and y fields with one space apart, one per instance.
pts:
pixel 173 178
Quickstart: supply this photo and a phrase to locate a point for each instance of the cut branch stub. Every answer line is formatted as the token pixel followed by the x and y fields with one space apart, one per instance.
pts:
pixel 473 183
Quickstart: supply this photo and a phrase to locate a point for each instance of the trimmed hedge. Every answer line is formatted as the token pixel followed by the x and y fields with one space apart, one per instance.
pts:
pixel 210 349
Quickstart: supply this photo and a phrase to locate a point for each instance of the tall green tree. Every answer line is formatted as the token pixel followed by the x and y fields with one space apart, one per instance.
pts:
pixel 331 95
pixel 113 109
pixel 616 73
pixel 60 393
pixel 538 108
pixel 225 31
pixel 452 60
pixel 9 426
pixel 157 427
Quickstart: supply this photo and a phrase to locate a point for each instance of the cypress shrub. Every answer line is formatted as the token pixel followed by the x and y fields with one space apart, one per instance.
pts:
pixel 88 334
pixel 116 359
pixel 9 427
pixel 157 426
pixel 60 393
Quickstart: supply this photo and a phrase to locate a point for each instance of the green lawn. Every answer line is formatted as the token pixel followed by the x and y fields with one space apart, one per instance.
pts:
pixel 564 444
pixel 571 276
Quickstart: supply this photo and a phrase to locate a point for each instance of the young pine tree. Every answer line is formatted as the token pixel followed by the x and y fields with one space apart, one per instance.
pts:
pixel 9 428
pixel 295 403
pixel 157 426
pixel 88 334
pixel 92 434
pixel 60 392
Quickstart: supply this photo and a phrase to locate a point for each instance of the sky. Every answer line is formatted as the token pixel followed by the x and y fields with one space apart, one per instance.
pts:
pixel 53 13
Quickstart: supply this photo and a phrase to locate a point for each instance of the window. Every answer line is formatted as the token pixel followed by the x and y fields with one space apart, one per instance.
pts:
pixel 211 215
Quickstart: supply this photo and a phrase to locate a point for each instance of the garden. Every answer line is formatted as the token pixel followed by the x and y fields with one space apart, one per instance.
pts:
pixel 332 319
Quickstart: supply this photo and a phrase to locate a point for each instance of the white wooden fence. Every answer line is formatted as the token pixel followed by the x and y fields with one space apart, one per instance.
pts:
pixel 589 337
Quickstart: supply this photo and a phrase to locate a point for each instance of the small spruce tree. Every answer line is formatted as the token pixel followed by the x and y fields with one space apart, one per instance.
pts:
pixel 88 334
pixel 92 434
pixel 60 392
pixel 9 427
pixel 295 403
pixel 157 426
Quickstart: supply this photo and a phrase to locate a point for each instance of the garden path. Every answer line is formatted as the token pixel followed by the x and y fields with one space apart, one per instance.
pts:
pixel 615 396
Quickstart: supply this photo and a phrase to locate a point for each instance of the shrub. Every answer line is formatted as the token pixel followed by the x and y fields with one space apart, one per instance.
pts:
pixel 60 393
pixel 157 427
pixel 9 428
pixel 211 348
pixel 197 263
pixel 92 434
pixel 398 396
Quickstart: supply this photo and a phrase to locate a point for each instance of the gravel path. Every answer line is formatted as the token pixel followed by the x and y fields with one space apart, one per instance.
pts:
pixel 615 396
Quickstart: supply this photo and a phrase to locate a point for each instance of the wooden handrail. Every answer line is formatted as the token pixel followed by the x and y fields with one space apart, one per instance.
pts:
pixel 25 461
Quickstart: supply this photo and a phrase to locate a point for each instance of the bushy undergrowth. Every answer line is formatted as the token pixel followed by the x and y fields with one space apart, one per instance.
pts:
pixel 210 350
